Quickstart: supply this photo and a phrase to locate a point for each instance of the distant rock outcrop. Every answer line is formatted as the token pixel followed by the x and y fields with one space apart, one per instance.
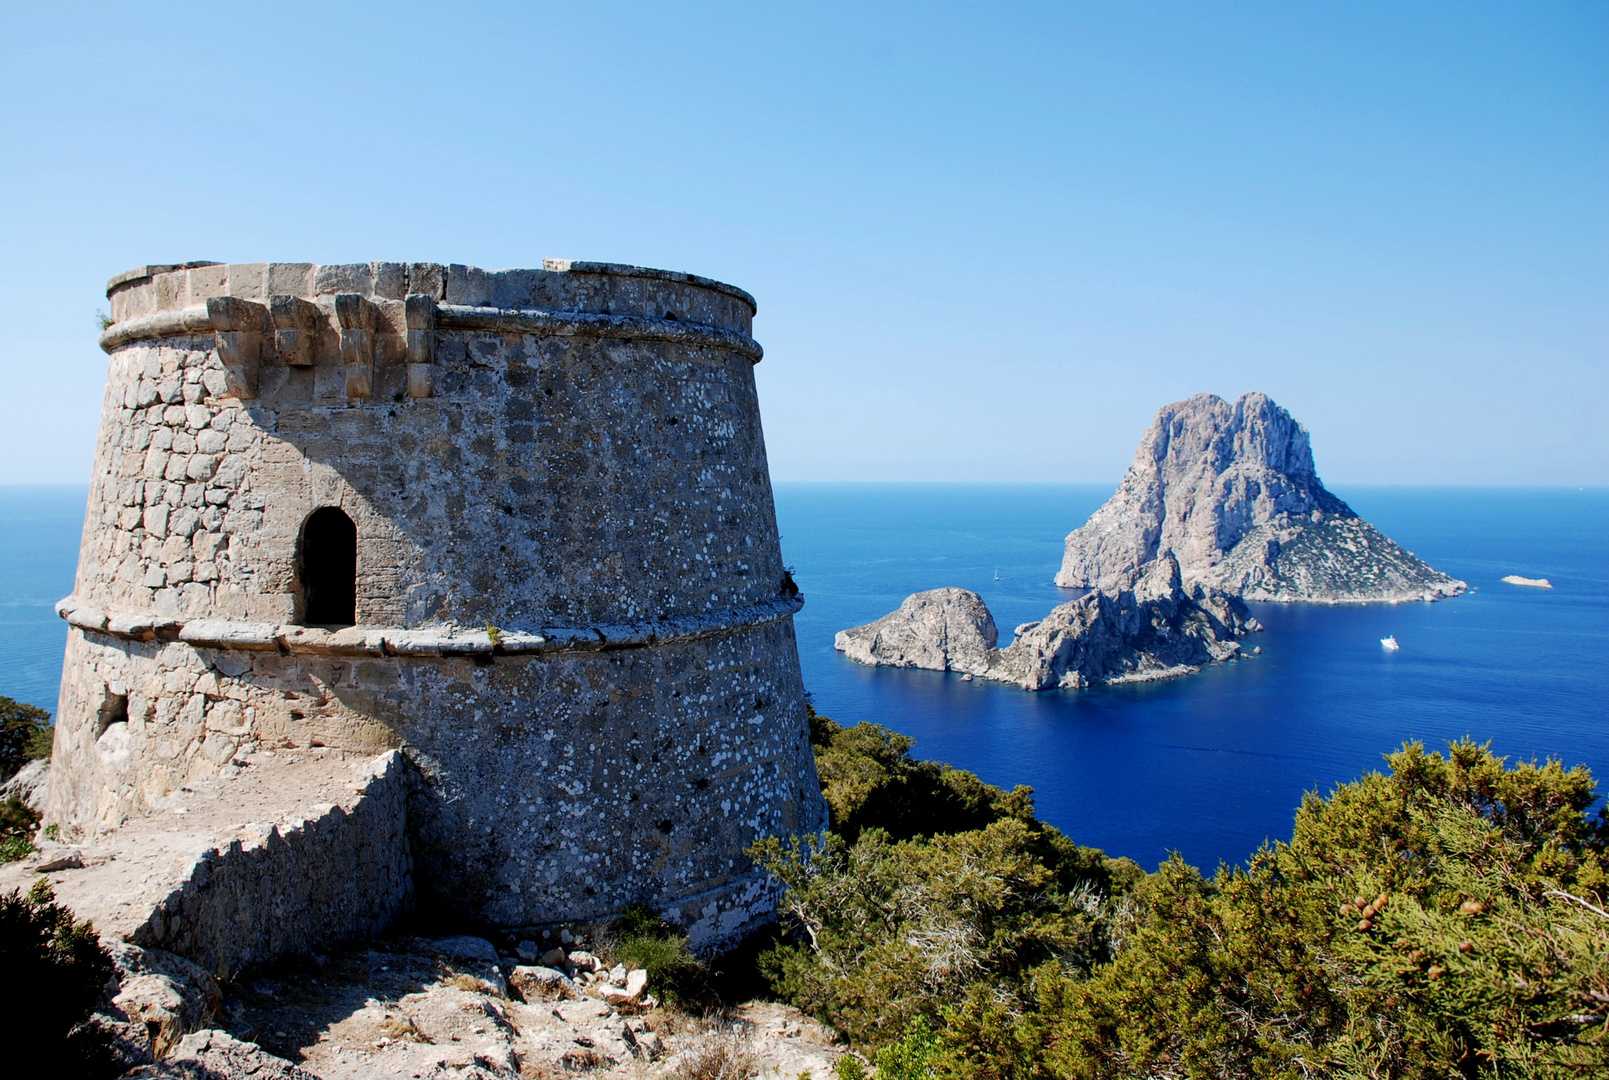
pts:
pixel 1230 491
pixel 1530 582
pixel 941 630
pixel 1146 626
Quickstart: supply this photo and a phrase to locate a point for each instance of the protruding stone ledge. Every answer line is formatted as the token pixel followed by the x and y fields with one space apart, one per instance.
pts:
pixel 195 320
pixel 243 636
pixel 186 322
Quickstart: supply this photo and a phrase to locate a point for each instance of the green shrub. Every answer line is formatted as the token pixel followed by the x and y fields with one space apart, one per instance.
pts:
pixel 55 973
pixel 675 975
pixel 849 1067
pixel 912 1056
pixel 929 882
pixel 25 734
pixel 1447 919
pixel 17 825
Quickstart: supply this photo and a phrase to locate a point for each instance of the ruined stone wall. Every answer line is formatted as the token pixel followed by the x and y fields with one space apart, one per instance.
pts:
pixel 296 887
pixel 570 596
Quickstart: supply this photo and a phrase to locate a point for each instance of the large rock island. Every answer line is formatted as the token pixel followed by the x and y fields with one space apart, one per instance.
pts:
pixel 1230 491
pixel 1146 625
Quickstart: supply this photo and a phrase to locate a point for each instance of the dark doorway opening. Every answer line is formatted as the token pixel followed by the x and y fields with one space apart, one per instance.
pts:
pixel 327 566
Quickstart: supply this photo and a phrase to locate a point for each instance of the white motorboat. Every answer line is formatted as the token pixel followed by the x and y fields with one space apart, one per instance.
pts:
pixel 1389 644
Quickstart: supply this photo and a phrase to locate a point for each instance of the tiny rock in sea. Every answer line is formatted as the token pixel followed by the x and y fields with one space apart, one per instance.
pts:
pixel 1532 582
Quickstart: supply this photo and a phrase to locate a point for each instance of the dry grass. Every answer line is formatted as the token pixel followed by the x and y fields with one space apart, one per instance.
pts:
pixel 582 1057
pixel 471 984
pixel 402 1029
pixel 719 1055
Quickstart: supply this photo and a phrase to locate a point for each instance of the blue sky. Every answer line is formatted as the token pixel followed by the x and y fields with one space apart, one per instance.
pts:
pixel 988 241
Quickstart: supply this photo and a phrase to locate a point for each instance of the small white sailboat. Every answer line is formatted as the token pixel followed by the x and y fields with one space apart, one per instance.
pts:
pixel 997 573
pixel 1389 644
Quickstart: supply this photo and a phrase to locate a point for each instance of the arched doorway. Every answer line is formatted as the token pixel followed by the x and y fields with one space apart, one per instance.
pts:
pixel 327 567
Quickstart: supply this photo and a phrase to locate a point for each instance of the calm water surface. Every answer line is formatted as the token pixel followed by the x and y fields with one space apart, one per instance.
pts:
pixel 39 532
pixel 1209 765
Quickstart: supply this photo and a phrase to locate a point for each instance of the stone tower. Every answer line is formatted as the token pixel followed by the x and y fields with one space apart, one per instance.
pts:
pixel 516 523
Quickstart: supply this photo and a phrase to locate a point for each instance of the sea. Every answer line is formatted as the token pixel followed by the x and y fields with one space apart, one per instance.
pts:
pixel 1210 765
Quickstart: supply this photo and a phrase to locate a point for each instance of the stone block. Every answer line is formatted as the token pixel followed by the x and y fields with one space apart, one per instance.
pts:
pixel 467 285
pixel 203 282
pixel 428 279
pixel 296 325
pixel 246 280
pixel 390 280
pixel 352 279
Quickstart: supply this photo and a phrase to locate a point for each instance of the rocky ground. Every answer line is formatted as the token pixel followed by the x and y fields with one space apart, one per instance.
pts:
pixel 448 1008
pixel 398 1007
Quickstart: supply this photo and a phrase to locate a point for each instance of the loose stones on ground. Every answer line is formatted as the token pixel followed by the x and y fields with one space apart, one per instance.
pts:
pixel 431 1008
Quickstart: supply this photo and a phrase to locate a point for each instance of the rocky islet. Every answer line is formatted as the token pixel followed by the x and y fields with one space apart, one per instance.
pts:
pixel 1230 490
pixel 1146 625
pixel 1222 504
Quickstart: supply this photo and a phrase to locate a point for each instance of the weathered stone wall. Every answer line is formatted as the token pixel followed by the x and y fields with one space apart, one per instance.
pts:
pixel 287 889
pixel 298 851
pixel 570 591
pixel 546 480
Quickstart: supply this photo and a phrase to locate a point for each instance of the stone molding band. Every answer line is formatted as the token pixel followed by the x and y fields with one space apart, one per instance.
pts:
pixel 196 320
pixel 162 324
pixel 443 641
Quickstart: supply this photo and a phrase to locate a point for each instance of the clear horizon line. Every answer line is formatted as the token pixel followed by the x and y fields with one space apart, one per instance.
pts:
pixel 1471 484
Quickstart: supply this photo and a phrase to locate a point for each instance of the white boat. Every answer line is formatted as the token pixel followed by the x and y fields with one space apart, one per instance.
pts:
pixel 997 574
pixel 1389 644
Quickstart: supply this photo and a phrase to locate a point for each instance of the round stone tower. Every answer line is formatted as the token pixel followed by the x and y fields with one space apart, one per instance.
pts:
pixel 517 523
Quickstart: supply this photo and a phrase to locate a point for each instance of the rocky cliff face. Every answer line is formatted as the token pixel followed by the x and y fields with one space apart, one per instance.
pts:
pixel 941 630
pixel 1148 625
pixel 1230 491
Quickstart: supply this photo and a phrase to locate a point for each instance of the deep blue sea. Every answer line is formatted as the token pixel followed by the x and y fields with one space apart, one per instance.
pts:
pixel 1212 764
pixel 1209 765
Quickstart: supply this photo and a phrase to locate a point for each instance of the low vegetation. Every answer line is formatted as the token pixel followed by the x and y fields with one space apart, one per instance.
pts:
pixel 1446 918
pixel 55 973
pixel 25 734
pixel 644 940
pixel 18 823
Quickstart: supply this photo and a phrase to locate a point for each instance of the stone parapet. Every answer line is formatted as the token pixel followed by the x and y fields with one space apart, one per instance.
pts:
pixel 561 285
pixel 295 349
